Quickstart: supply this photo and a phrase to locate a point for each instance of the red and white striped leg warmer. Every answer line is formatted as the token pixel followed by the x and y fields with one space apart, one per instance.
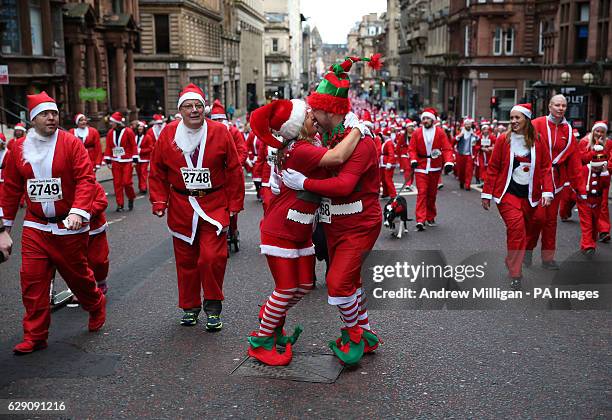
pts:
pixel 363 319
pixel 349 312
pixel 274 310
pixel 300 292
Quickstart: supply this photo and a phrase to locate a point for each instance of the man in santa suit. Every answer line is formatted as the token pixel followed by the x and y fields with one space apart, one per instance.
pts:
pixel 465 144
pixel 429 152
pixel 157 125
pixel 144 146
pixel 403 153
pixel 53 169
pixel 350 211
pixel 251 163
pixel 485 148
pixel 120 152
pixel 556 132
pixel 197 178
pixel 18 132
pixel 90 138
pixel 387 164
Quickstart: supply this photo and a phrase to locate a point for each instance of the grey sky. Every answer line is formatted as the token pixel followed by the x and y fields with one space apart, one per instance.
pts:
pixel 335 18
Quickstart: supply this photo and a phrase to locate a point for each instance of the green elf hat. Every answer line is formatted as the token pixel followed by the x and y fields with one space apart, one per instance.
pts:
pixel 332 93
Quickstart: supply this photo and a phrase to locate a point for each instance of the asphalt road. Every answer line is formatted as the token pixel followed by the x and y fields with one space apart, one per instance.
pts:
pixel 511 363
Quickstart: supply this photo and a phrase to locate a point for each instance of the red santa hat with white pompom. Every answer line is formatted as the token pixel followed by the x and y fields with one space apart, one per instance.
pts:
pixel 284 117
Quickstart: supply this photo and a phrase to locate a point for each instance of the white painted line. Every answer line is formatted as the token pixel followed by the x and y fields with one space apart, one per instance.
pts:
pixel 110 222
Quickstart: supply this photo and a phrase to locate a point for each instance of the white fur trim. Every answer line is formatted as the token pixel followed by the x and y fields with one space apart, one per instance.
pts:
pixel 122 122
pixel 80 212
pixel 486 196
pixel 522 110
pixel 45 106
pixel 276 251
pixel 597 164
pixel 98 230
pixel 299 217
pixel 190 95
pixel 78 117
pixel 598 148
pixel 600 125
pixel 291 128
pixel 187 139
pixel 218 117
pixel 429 115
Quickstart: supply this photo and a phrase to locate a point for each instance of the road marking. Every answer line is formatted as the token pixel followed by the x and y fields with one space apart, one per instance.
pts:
pixel 110 222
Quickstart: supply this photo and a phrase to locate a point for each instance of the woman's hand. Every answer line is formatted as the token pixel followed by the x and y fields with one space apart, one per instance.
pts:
pixel 486 203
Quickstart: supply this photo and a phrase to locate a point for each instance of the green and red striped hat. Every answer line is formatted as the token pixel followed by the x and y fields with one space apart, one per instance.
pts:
pixel 331 94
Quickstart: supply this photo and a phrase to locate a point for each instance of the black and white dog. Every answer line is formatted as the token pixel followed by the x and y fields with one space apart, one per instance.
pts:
pixel 395 216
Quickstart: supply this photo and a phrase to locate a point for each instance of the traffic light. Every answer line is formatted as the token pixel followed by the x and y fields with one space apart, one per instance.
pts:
pixel 494 102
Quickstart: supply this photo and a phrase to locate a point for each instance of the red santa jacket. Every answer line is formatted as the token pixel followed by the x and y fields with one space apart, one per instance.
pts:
pixel 124 138
pixel 432 156
pixel 561 149
pixel 595 185
pixel 402 145
pixel 166 180
pixel 97 223
pixel 156 130
pixel 239 143
pixel 387 153
pixel 144 146
pixel 483 143
pixel 91 140
pixel 251 145
pixel 4 151
pixel 67 161
pixel 586 151
pixel 500 171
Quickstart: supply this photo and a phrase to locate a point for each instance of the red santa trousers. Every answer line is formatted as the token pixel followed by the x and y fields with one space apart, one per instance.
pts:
pixel 122 180
pixel 200 268
pixel 427 186
pixel 603 225
pixel 386 179
pixel 545 223
pixel 41 254
pixel 567 201
pixel 517 214
pixel 142 170
pixel 589 211
pixel 97 256
pixel 465 169
pixel 291 273
pixel 346 254
pixel 405 165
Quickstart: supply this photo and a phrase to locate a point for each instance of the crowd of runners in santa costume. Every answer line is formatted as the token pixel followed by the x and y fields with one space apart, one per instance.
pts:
pixel 120 153
pixel 196 178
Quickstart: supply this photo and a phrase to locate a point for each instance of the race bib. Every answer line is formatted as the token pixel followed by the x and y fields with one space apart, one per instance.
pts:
pixel 435 153
pixel 325 210
pixel 485 142
pixel 118 152
pixel 521 174
pixel 44 190
pixel 196 178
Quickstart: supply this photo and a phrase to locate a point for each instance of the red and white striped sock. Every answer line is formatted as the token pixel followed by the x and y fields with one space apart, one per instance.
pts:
pixel 274 311
pixel 349 312
pixel 300 292
pixel 363 319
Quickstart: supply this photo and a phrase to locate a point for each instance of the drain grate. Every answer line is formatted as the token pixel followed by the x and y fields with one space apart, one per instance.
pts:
pixel 305 367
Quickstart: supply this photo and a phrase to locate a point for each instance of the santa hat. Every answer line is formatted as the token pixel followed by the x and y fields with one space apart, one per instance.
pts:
pixel 598 159
pixel 387 132
pixel 19 126
pixel 39 103
pixel 409 123
pixel 157 119
pixel 468 120
pixel 524 109
pixel 331 94
pixel 283 116
pixel 178 116
pixel 430 113
pixel 217 111
pixel 600 124
pixel 484 123
pixel 78 117
pixel 117 118
pixel 191 91
pixel 142 124
pixel 576 133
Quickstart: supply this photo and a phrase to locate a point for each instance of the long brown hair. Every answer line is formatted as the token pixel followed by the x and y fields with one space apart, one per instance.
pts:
pixel 530 133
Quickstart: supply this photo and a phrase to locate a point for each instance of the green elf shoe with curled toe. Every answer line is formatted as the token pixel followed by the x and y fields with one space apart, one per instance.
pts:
pixel 371 341
pixel 350 346
pixel 282 339
pixel 264 350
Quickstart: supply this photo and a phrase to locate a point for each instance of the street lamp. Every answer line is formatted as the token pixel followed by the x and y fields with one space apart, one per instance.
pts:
pixel 566 77
pixel 588 78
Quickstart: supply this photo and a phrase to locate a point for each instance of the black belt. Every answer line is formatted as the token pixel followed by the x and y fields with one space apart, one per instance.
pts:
pixel 196 193
pixel 308 196
pixel 424 156
pixel 55 219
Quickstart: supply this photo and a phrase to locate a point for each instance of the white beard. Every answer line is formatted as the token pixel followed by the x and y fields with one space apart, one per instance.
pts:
pixel 37 147
pixel 81 133
pixel 188 139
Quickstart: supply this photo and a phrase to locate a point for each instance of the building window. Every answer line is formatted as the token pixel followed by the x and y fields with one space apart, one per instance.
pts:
pixel 10 38
pixel 274 44
pixel 509 41
pixel 507 99
pixel 466 42
pixel 36 27
pixel 541 38
pixel 117 6
pixel 584 12
pixel 150 96
pixel 582 41
pixel 275 70
pixel 497 41
pixel 162 34
pixel 604 9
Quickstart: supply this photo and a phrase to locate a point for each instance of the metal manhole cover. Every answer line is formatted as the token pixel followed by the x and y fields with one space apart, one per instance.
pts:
pixel 305 367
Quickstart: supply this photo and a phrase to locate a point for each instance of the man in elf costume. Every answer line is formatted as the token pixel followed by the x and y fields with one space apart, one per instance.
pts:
pixel 197 178
pixel 120 152
pixel 350 210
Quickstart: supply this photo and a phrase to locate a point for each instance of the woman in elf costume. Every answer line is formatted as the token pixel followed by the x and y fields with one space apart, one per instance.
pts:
pixel 286 229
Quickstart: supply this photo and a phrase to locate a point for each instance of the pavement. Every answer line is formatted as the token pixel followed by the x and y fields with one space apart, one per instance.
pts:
pixel 433 364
